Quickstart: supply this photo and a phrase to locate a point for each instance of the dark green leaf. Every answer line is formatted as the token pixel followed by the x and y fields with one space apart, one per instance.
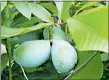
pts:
pixel 47 72
pixel 24 22
pixel 29 36
pixel 4 61
pixel 92 70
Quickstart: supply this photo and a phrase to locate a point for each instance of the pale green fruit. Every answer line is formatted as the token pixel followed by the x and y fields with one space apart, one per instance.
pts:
pixel 58 34
pixel 64 56
pixel 32 53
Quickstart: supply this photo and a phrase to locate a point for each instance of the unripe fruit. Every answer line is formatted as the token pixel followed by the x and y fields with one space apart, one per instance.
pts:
pixel 64 56
pixel 32 53
pixel 58 34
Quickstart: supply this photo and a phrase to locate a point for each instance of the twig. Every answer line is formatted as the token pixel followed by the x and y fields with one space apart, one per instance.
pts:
pixel 66 29
pixel 72 72
pixel 24 72
pixel 10 59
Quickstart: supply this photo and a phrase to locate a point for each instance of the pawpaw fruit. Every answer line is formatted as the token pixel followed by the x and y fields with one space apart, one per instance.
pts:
pixel 32 53
pixel 64 56
pixel 57 33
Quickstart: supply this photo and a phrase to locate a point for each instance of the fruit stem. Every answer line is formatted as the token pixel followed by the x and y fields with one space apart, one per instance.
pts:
pixel 78 68
pixel 66 29
pixel 51 41
pixel 10 59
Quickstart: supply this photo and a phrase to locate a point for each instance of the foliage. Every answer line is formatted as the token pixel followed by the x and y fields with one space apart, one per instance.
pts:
pixel 86 22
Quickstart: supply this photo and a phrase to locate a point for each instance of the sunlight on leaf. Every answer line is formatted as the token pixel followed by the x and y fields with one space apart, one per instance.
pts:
pixel 24 8
pixel 3 4
pixel 3 49
pixel 41 12
pixel 65 10
pixel 88 4
pixel 96 18
pixel 59 6
pixel 86 37
pixel 87 33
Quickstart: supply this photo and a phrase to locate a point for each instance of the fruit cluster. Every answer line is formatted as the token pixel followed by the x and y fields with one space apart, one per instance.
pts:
pixel 34 53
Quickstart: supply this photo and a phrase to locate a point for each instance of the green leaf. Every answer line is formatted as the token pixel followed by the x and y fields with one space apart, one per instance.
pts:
pixel 41 12
pixel 4 61
pixel 24 22
pixel 7 21
pixel 86 35
pixel 104 56
pixel 93 16
pixel 46 72
pixel 3 4
pixel 7 32
pixel 59 6
pixel 88 4
pixel 8 15
pixel 92 70
pixel 46 33
pixel 15 41
pixel 43 72
pixel 29 36
pixel 24 8
pixel 43 75
pixel 30 69
pixel 51 7
pixel 65 10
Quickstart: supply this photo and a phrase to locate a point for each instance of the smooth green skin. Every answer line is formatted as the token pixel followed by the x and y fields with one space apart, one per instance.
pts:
pixel 58 33
pixel 64 56
pixel 32 53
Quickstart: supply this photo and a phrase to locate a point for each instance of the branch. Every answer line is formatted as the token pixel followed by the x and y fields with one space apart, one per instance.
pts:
pixel 10 59
pixel 72 72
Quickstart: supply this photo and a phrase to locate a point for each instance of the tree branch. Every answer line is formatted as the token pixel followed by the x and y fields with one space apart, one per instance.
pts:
pixel 10 58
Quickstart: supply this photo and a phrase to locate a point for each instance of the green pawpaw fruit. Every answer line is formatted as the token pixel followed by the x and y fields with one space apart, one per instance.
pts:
pixel 64 56
pixel 58 33
pixel 32 53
